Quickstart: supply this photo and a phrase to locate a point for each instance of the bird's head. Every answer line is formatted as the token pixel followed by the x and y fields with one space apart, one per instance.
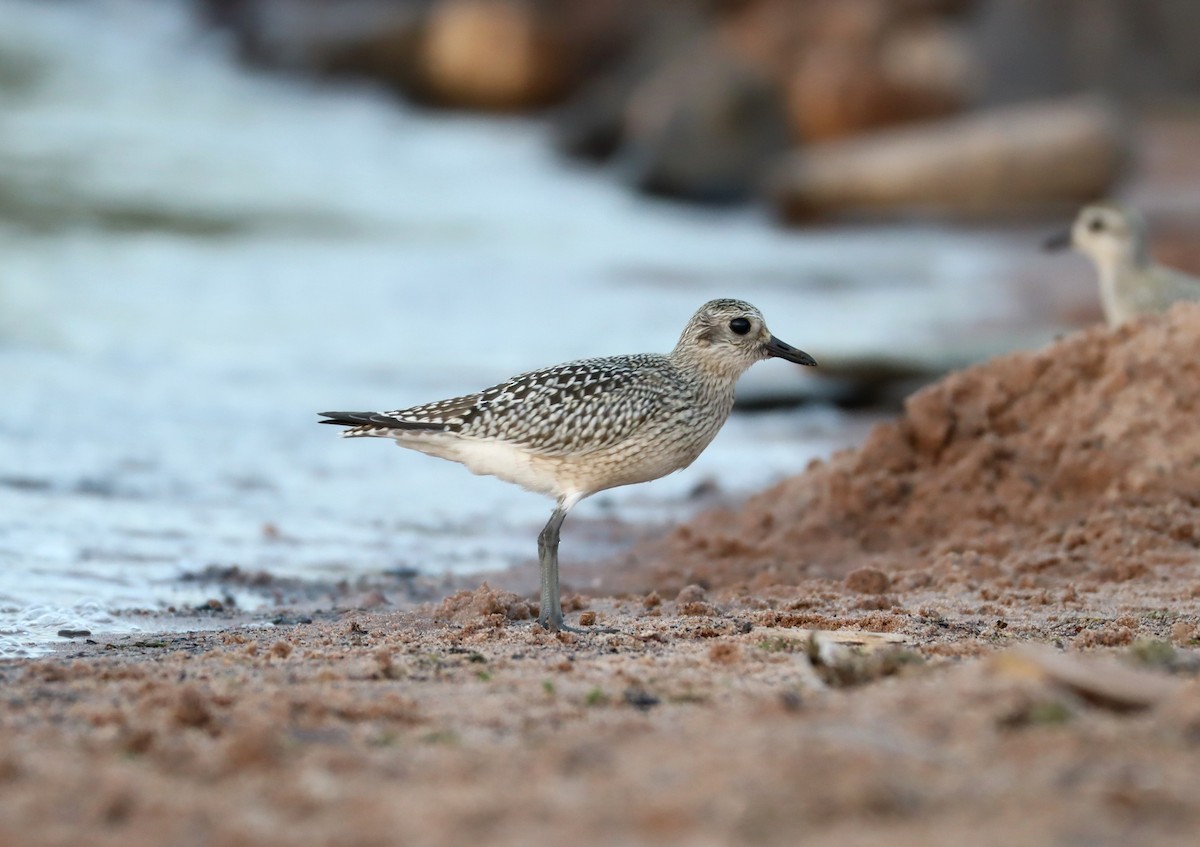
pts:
pixel 728 336
pixel 1107 234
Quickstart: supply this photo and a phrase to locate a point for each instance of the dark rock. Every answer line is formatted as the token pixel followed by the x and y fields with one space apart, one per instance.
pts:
pixel 640 699
pixel 704 128
pixel 591 124
pixel 378 39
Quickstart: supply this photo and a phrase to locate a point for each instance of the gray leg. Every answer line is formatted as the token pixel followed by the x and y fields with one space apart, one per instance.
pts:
pixel 550 614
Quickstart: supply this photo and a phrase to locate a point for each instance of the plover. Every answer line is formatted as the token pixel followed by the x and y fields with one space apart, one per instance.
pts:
pixel 572 430
pixel 1131 284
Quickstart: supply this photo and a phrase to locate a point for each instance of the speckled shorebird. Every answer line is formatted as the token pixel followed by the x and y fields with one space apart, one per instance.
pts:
pixel 1131 284
pixel 571 430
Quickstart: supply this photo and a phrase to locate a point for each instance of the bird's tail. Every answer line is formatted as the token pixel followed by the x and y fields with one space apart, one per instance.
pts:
pixel 372 423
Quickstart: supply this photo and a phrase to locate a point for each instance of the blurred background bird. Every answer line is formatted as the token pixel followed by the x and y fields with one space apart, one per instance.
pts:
pixel 1131 284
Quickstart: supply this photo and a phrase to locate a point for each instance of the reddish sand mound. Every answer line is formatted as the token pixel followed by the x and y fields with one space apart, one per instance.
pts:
pixel 1079 463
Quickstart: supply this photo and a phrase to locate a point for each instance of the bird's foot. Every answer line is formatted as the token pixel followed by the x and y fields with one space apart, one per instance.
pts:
pixel 551 625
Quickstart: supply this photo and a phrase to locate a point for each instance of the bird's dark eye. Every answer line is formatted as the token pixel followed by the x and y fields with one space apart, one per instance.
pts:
pixel 1096 224
pixel 740 326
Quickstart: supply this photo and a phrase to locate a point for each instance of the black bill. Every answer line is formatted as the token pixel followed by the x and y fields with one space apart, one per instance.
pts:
pixel 777 348
pixel 1058 241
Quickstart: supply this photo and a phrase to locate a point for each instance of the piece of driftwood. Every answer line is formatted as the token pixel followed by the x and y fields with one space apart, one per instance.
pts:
pixel 1101 681
pixel 1032 158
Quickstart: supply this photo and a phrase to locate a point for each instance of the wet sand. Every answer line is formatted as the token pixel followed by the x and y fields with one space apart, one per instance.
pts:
pixel 980 627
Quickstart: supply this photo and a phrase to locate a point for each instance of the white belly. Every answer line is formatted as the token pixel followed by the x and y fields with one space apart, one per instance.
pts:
pixel 626 463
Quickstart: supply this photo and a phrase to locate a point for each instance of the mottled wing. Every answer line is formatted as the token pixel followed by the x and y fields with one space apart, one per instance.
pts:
pixel 573 408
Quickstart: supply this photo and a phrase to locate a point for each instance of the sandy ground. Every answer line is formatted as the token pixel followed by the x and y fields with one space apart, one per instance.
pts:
pixel 980 627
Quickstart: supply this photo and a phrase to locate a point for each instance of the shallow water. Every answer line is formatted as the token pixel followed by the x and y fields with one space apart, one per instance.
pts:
pixel 197 259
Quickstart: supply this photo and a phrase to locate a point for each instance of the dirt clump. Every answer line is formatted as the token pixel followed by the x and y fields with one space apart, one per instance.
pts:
pixel 484 602
pixel 1077 465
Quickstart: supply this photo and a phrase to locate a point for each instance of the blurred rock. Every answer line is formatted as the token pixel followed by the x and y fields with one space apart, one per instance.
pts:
pixel 913 74
pixel 711 94
pixel 591 123
pixel 703 128
pixel 1039 158
pixel 1143 51
pixel 589 126
pixel 496 55
pixel 377 39
pixel 850 67
pixel 1101 682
